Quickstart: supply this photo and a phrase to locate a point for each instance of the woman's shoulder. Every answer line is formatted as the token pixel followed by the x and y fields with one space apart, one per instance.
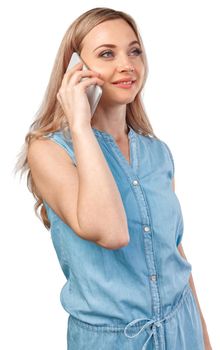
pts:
pixel 64 140
pixel 158 147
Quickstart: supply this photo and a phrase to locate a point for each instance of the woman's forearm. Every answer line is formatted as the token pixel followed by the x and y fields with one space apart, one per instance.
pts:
pixel 100 209
pixel 204 327
pixel 192 285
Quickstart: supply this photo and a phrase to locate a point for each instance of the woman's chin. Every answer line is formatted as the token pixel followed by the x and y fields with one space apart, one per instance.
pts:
pixel 116 100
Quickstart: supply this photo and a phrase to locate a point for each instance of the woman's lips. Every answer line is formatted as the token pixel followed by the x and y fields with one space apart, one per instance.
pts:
pixel 124 85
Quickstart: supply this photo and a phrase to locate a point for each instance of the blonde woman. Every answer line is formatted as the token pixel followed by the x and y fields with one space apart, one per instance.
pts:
pixel 105 187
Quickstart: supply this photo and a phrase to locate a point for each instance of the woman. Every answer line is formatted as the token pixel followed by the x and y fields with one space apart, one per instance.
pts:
pixel 105 184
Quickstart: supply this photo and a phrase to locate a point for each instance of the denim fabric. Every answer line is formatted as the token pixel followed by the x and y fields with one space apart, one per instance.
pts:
pixel 137 297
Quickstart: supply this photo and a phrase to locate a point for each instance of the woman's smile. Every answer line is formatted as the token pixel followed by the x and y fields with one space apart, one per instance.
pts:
pixel 124 85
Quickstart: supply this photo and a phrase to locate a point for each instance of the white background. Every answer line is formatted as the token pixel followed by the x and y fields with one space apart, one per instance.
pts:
pixel 182 101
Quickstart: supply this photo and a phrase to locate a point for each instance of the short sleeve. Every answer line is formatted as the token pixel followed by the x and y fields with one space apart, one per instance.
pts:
pixel 170 157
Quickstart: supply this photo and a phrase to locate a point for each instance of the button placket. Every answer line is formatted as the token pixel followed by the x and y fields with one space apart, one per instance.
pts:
pixel 135 182
pixel 131 173
pixel 146 229
pixel 153 278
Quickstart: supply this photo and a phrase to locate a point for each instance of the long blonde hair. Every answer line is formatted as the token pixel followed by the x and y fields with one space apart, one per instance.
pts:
pixel 50 118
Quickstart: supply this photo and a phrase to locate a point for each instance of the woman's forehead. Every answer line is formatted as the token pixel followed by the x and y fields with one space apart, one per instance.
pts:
pixel 115 32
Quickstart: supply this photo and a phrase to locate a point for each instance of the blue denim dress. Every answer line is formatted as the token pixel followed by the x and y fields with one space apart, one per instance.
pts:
pixel 136 297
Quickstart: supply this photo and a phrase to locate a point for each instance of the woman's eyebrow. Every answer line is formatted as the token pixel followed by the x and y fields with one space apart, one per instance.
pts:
pixel 111 45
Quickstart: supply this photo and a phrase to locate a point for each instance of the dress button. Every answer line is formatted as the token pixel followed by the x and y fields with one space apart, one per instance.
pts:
pixel 146 228
pixel 153 278
pixel 135 182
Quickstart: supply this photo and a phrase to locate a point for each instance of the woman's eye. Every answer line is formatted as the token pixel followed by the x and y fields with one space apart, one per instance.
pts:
pixel 138 51
pixel 104 53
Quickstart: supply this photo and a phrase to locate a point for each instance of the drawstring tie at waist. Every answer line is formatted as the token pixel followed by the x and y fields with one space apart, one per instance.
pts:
pixel 153 323
pixel 146 325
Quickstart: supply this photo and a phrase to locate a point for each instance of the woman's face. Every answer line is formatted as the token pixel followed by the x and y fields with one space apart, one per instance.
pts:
pixel 114 63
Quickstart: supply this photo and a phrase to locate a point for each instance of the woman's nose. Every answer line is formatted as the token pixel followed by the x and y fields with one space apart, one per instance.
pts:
pixel 125 67
pixel 124 63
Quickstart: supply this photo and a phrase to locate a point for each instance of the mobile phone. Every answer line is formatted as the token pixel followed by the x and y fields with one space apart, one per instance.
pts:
pixel 93 92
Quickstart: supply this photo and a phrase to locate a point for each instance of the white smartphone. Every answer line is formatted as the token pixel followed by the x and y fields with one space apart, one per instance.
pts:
pixel 93 92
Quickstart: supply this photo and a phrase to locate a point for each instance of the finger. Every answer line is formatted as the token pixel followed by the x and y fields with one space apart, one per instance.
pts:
pixel 78 75
pixel 74 67
pixel 71 71
pixel 59 98
pixel 92 81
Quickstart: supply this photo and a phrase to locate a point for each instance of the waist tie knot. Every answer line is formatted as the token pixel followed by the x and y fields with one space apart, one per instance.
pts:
pixel 150 323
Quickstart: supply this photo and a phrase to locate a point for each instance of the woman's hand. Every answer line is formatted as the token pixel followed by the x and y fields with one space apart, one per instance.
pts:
pixel 72 95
